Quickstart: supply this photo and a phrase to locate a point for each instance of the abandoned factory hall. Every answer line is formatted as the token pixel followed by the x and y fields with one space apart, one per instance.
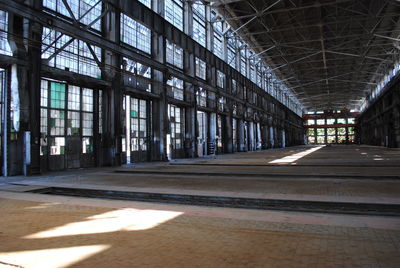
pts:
pixel 200 133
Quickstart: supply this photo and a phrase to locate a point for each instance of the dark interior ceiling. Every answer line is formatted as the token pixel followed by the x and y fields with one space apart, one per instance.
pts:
pixel 332 52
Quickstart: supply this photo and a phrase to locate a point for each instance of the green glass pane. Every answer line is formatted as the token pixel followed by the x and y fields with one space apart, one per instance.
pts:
pixel 57 92
pixel 134 113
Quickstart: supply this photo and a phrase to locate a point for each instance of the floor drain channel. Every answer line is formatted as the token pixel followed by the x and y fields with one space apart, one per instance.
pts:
pixel 233 202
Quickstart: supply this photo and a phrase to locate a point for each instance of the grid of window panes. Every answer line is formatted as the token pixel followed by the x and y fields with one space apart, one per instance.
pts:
pixel 173 12
pixel 44 93
pixel 73 117
pixel 84 11
pixel 330 121
pixel 220 79
pixel 138 75
pixel 174 54
pixel 219 131
pixel 218 37
pixel 234 87
pixel 43 116
pixel 69 108
pixel 146 3
pixel 176 87
pixel 320 135
pixel 100 111
pixel 200 68
pixel 243 65
pixel 201 97
pixel 4 46
pixel 311 135
pixel 252 72
pixel 43 131
pixel 259 78
pixel 87 120
pixel 139 36
pixel 57 119
pixel 138 121
pixel 74 98
pixel 221 104
pixel 199 23
pixel 73 123
pixel 75 55
pixel 57 95
pixel 177 126
pixel 135 34
pixel 231 57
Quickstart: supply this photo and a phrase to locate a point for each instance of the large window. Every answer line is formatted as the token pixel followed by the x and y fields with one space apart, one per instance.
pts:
pixel 330 121
pixel 174 54
pixel 218 39
pixel 87 12
pixel 310 122
pixel 64 52
pixel 320 131
pixel 176 88
pixel 200 68
pixel 199 23
pixel 139 127
pixel 243 65
pixel 176 118
pixel 66 111
pixel 4 46
pixel 201 97
pixel 231 52
pixel 136 75
pixel 173 12
pixel 331 131
pixel 135 34
pixel 220 79
pixel 221 104
pixel 252 72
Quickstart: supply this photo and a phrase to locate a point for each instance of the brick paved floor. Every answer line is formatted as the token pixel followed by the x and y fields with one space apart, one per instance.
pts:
pixel 53 231
pixel 36 234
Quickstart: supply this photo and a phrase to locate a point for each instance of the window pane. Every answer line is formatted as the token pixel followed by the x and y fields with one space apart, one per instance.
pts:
pixel 135 34
pixel 87 100
pixel 57 95
pixel 74 98
pixel 57 145
pixel 73 123
pixel 57 122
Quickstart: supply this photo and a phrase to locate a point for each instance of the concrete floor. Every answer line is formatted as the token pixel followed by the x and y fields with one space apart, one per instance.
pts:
pixel 57 231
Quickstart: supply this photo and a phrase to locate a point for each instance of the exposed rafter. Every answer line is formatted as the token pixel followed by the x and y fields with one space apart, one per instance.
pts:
pixel 325 47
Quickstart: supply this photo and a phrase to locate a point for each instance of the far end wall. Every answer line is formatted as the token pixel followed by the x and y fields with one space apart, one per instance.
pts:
pixel 330 126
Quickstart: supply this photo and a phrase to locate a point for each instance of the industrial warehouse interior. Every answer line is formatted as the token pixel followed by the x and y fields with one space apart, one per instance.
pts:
pixel 199 133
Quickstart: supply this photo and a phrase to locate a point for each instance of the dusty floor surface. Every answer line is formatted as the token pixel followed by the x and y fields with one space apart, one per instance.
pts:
pixel 57 231
pixel 57 235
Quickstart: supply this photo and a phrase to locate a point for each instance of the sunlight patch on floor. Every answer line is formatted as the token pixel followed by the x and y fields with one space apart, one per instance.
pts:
pixel 128 219
pixel 294 157
pixel 52 257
